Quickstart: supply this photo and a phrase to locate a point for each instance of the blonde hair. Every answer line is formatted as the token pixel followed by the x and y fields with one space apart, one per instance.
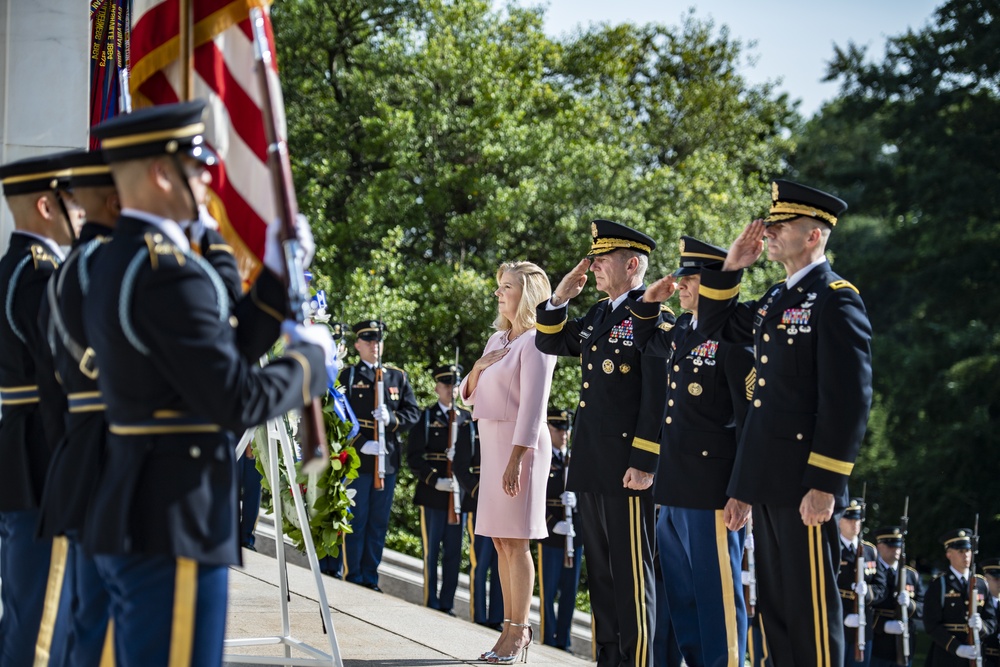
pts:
pixel 535 288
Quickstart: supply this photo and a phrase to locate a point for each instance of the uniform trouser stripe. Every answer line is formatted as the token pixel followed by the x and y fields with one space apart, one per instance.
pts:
pixel 426 545
pixel 541 594
pixel 108 652
pixel 185 600
pixel 53 592
pixel 763 636
pixel 728 595
pixel 820 620
pixel 472 568
pixel 638 578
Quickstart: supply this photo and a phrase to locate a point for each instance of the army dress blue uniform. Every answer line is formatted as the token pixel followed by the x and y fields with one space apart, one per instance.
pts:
pixel 485 608
pixel 178 376
pixel 803 430
pixel 846 579
pixel 990 568
pixel 26 428
pixel 707 394
pixel 558 581
pixel 886 647
pixel 427 456
pixel 363 546
pixel 946 608
pixel 618 425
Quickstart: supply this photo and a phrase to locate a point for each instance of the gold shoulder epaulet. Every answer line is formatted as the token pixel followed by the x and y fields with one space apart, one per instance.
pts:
pixel 664 308
pixel 841 284
pixel 161 247
pixel 40 254
pixel 868 543
pixel 979 576
pixel 912 570
pixel 604 299
pixel 666 326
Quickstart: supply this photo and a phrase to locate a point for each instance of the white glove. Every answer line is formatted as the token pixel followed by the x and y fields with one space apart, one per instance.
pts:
pixel 745 578
pixel 370 448
pixel 443 484
pixel 564 528
pixel 966 651
pixel 450 453
pixel 976 622
pixel 316 335
pixel 851 621
pixel 860 587
pixel 196 230
pixel 568 499
pixel 748 542
pixel 381 414
pixel 893 627
pixel 903 599
pixel 274 255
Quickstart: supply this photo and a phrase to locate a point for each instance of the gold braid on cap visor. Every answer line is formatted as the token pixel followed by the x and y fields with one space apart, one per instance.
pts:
pixel 795 210
pixel 601 246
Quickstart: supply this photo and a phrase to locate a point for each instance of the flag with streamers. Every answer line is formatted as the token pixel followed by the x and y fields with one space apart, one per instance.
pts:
pixel 242 199
pixel 110 24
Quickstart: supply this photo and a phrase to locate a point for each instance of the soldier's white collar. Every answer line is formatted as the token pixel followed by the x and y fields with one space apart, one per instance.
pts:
pixel 800 274
pixel 960 575
pixel 892 567
pixel 850 543
pixel 49 243
pixel 169 227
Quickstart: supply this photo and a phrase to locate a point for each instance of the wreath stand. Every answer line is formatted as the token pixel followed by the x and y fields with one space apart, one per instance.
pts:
pixel 277 433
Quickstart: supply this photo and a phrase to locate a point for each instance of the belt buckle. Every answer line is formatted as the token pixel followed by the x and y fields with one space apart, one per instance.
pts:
pixel 88 364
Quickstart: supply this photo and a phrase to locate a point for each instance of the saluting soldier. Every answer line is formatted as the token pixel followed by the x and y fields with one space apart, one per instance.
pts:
pixel 397 412
pixel 888 628
pixel 46 218
pixel 872 586
pixel 709 382
pixel 428 451
pixel 556 579
pixel 807 417
pixel 616 440
pixel 178 376
pixel 990 568
pixel 485 608
pixel 78 618
pixel 946 606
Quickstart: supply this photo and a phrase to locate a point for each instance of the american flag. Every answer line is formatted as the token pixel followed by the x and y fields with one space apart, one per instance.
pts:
pixel 242 198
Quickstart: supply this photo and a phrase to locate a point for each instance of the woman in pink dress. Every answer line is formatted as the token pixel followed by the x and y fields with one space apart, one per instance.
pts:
pixel 508 389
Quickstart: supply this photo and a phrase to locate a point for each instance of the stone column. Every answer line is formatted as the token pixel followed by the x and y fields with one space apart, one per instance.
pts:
pixel 44 81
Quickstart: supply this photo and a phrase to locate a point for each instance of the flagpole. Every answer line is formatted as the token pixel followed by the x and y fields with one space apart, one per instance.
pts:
pixel 186 49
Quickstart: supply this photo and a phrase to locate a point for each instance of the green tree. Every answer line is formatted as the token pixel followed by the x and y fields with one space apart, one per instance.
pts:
pixel 913 140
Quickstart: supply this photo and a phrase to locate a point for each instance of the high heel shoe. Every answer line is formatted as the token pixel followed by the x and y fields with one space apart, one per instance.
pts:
pixel 486 655
pixel 519 653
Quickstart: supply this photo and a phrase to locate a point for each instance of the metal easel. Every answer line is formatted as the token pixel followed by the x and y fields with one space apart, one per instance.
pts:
pixel 278 432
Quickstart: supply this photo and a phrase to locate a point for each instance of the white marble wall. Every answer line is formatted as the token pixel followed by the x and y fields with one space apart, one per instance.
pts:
pixel 44 81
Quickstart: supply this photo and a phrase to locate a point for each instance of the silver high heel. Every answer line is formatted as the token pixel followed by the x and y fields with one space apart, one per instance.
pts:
pixel 486 655
pixel 521 653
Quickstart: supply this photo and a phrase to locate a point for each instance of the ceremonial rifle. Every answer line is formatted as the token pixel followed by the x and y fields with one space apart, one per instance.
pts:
pixel 379 426
pixel 750 563
pixel 859 576
pixel 568 558
pixel 973 596
pixel 315 454
pixel 455 495
pixel 903 655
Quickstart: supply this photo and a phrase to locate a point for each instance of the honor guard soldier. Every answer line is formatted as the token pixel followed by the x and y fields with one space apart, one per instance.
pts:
pixel 807 416
pixel 887 628
pixel 709 382
pixel 83 605
pixel 946 606
pixel 437 493
pixel 45 220
pixel 560 553
pixel 392 414
pixel 485 607
pixel 855 551
pixel 616 440
pixel 178 376
pixel 991 647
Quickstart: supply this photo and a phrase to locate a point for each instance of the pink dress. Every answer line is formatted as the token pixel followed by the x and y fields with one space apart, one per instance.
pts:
pixel 509 404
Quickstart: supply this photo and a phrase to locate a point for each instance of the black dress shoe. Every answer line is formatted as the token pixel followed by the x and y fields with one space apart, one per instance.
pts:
pixel 375 588
pixel 450 612
pixel 249 546
pixel 496 626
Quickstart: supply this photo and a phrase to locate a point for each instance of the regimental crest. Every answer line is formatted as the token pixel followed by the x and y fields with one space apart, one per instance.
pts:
pixel 40 254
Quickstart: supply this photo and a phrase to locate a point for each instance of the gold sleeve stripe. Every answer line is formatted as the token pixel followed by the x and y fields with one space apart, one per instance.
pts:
pixel 751 381
pixel 221 247
pixel 646 445
pixel 550 328
pixel 833 465
pixel 306 374
pixel 718 294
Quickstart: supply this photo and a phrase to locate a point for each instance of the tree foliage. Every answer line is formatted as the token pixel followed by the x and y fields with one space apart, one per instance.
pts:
pixel 912 142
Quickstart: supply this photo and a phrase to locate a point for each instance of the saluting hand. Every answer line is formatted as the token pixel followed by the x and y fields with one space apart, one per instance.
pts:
pixel 572 283
pixel 746 248
pixel 661 290
pixel 816 507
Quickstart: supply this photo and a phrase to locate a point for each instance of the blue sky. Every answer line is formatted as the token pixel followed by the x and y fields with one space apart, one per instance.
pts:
pixel 794 38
